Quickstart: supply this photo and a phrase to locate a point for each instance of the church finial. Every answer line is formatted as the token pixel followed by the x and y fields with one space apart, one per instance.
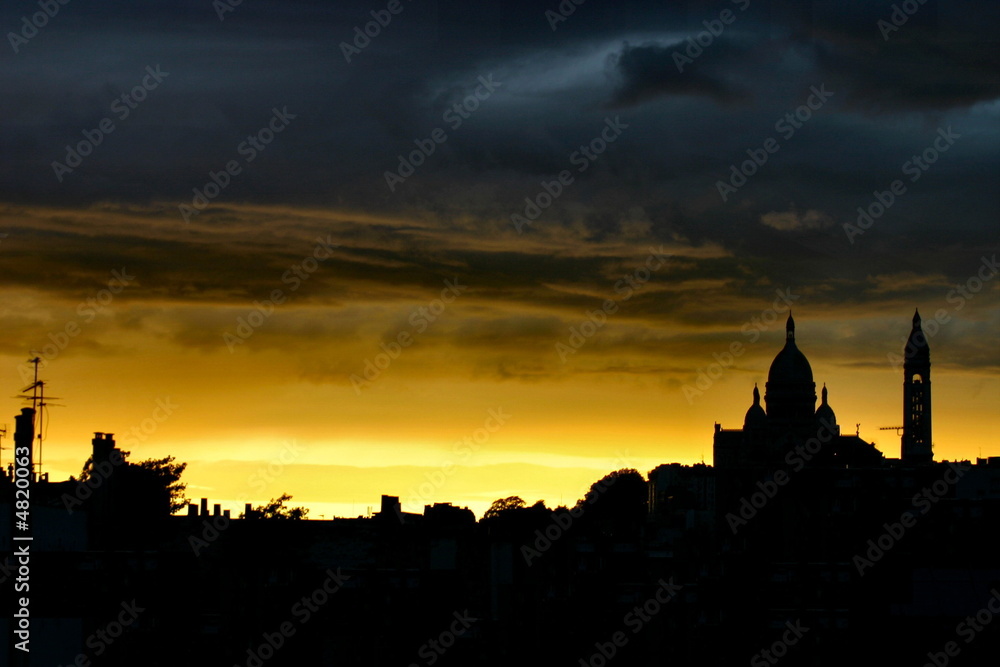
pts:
pixel 756 394
pixel 916 317
pixel 790 327
pixel 824 394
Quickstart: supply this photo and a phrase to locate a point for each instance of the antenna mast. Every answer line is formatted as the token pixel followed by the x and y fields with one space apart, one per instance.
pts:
pixel 38 404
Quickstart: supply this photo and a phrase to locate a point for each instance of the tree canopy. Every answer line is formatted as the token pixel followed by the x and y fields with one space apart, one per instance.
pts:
pixel 155 480
pixel 504 505
pixel 276 509
pixel 624 490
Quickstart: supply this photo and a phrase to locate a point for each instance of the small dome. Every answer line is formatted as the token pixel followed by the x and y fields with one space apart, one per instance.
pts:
pixel 756 417
pixel 790 366
pixel 824 412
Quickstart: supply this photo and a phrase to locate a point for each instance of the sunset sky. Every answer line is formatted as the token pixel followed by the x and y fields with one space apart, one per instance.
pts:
pixel 152 305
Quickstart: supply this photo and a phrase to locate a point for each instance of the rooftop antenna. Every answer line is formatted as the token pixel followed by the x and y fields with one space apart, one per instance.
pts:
pixel 857 430
pixel 3 432
pixel 38 404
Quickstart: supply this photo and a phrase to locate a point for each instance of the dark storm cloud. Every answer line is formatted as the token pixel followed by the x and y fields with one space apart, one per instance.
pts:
pixel 452 216
pixel 650 71
pixel 943 55
pixel 354 119
pixel 927 71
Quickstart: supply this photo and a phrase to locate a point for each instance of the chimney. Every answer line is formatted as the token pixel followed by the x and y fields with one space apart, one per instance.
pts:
pixel 24 433
pixel 247 510
pixel 226 514
pixel 102 447
pixel 216 509
pixel 390 505
pixel 204 506
pixel 192 509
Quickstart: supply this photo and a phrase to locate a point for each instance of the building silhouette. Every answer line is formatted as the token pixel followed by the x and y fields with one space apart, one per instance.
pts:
pixel 789 420
pixel 797 531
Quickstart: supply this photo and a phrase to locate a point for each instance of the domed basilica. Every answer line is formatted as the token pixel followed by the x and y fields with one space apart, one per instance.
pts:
pixel 789 421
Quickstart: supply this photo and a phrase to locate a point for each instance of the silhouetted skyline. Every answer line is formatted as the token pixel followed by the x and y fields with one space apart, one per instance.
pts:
pixel 563 164
pixel 828 540
pixel 467 329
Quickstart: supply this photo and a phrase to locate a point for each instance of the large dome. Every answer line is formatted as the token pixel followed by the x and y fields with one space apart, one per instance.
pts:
pixel 790 391
pixel 790 366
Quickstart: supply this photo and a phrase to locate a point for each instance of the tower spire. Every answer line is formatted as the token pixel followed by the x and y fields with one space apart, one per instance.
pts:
pixel 790 327
pixel 917 444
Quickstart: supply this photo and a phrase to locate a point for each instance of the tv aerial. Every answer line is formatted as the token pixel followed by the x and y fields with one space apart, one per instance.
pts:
pixel 38 404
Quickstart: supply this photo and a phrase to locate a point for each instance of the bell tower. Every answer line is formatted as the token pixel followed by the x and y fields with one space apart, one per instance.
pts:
pixel 917 397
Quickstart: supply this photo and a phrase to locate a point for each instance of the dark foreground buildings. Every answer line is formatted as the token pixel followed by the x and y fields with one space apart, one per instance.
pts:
pixel 802 545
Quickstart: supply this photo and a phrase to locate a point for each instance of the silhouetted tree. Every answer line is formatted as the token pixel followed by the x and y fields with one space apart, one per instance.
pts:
pixel 155 480
pixel 167 474
pixel 502 505
pixel 625 488
pixel 275 509
pixel 616 503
